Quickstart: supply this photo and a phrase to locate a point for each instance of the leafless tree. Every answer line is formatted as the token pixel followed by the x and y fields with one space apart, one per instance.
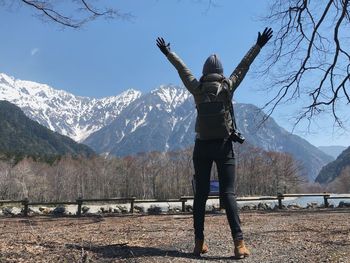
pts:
pixel 266 173
pixel 69 13
pixel 309 60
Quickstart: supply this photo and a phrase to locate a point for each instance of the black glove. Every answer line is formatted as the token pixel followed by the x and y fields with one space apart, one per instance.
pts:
pixel 165 48
pixel 264 37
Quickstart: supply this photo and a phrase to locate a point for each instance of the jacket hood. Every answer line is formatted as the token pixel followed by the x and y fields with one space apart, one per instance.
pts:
pixel 212 65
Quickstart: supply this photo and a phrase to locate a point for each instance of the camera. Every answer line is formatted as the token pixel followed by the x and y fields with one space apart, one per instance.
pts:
pixel 236 136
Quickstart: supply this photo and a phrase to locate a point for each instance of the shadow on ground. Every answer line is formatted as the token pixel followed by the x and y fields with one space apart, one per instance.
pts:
pixel 124 251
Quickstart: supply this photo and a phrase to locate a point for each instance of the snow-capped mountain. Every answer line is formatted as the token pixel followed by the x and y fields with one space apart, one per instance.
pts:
pixel 164 120
pixel 157 121
pixel 63 112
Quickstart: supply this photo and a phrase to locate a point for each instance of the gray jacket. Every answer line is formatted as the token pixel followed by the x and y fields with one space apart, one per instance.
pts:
pixel 210 84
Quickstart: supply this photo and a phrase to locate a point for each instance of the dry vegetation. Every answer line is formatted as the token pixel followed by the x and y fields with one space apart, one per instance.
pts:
pixel 284 236
pixel 149 175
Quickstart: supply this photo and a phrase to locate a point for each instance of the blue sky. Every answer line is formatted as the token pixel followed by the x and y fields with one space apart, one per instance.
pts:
pixel 105 58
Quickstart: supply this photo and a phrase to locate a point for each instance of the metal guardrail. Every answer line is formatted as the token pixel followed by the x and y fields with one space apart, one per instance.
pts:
pixel 132 200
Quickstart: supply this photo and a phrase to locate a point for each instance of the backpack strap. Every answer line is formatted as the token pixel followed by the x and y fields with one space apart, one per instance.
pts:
pixel 225 86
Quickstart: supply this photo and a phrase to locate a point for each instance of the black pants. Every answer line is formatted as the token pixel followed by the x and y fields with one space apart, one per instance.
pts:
pixel 205 153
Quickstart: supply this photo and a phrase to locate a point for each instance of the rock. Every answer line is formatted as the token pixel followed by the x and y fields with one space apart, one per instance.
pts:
pixel 174 209
pixel 103 210
pixel 249 207
pixel 294 206
pixel 59 211
pixel 312 205
pixel 208 208
pixel 189 208
pixel 139 209
pixel 276 207
pixel 154 210
pixel 85 209
pixel 123 209
pixel 7 211
pixel 344 204
pixel 215 207
pixel 245 208
pixel 263 206
pixel 45 210
pixel 117 210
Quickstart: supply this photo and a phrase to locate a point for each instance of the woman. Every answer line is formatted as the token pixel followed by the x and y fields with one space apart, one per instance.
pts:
pixel 213 97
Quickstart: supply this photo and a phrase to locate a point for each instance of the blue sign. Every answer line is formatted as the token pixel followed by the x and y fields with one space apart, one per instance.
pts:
pixel 214 187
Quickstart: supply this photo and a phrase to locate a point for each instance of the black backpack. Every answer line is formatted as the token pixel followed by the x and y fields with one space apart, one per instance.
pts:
pixel 214 118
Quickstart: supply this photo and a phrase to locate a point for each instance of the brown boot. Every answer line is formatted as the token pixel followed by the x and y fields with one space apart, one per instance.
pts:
pixel 240 249
pixel 200 247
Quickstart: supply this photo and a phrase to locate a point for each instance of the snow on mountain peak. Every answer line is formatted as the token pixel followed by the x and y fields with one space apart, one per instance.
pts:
pixel 171 95
pixel 61 111
pixel 5 79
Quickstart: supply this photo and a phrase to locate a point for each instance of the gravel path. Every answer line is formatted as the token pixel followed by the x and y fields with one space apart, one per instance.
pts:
pixel 321 235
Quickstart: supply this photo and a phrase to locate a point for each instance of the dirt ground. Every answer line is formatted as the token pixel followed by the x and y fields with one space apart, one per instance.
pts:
pixel 321 235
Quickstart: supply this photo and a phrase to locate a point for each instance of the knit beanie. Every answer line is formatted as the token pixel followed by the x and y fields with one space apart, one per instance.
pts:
pixel 212 65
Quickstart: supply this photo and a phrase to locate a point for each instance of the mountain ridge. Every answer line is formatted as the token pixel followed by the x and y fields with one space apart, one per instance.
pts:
pixel 161 120
pixel 77 114
pixel 333 169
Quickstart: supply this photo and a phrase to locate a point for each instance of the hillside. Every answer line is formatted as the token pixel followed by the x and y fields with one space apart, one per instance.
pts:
pixel 332 170
pixel 21 136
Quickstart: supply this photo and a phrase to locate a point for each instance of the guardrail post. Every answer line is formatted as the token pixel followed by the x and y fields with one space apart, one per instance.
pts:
pixel 25 203
pixel 80 204
pixel 325 197
pixel 183 204
pixel 132 204
pixel 280 197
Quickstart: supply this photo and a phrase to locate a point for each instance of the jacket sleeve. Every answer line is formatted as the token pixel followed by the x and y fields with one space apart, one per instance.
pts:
pixel 190 82
pixel 241 70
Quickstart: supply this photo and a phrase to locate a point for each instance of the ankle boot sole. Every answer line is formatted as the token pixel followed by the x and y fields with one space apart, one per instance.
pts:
pixel 241 256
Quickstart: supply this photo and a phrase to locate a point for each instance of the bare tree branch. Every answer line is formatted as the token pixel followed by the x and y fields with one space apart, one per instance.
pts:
pixel 83 13
pixel 310 57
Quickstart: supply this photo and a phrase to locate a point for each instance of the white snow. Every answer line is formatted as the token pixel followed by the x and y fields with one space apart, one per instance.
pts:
pixel 172 96
pixel 139 122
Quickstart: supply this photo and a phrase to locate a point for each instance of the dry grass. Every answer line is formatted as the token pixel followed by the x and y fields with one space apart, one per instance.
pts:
pixel 286 236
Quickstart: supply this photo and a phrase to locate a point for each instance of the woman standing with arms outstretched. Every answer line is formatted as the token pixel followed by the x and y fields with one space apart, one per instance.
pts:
pixel 215 132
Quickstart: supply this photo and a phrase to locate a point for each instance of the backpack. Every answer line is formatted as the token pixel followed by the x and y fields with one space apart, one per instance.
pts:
pixel 213 118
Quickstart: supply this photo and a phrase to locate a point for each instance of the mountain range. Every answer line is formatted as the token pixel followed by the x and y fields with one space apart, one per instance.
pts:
pixel 61 111
pixel 132 122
